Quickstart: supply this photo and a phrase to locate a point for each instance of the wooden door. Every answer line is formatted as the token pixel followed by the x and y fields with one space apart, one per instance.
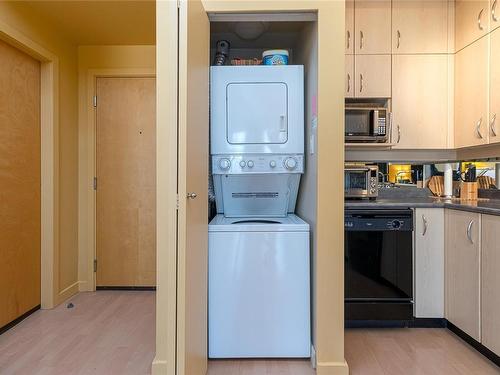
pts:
pixel 373 26
pixel 419 26
pixel 490 296
pixel 472 21
pixel 421 114
pixel 429 263
pixel 194 34
pixel 471 95
pixel 349 27
pixel 19 183
pixel 349 76
pixel 126 182
pixel 462 271
pixel 373 76
pixel 494 120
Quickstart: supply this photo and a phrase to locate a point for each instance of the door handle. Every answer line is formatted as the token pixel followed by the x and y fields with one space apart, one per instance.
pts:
pixel 348 39
pixel 191 195
pixel 282 123
pixel 492 125
pixel 481 27
pixel 493 10
pixel 399 39
pixel 399 134
pixel 348 82
pixel 361 37
pixel 424 221
pixel 478 128
pixel 361 83
pixel 469 230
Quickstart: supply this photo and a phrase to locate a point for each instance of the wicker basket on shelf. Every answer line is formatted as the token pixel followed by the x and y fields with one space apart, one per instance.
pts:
pixel 239 61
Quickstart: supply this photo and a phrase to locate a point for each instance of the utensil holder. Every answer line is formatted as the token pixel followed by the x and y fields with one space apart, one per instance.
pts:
pixel 468 191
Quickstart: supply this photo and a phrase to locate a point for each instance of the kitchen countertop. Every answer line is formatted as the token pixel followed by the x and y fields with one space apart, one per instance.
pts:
pixel 491 206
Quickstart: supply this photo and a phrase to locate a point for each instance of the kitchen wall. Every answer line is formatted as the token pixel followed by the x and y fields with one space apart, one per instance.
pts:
pixel 20 17
pixel 106 60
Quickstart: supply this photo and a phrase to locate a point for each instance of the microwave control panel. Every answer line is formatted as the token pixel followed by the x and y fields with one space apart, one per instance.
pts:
pixel 382 126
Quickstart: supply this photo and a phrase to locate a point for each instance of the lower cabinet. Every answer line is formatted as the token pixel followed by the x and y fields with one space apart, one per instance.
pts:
pixel 490 282
pixel 462 273
pixel 429 263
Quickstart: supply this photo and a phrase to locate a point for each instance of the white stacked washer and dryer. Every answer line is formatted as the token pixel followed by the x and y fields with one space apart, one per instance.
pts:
pixel 259 282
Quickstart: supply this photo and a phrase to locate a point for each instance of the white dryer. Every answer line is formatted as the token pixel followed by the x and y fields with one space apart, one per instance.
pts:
pixel 258 288
pixel 257 109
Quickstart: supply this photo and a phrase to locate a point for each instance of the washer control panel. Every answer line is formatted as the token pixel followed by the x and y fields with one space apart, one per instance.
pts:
pixel 254 163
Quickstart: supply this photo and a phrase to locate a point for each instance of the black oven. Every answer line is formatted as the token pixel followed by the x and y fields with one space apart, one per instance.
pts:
pixel 378 265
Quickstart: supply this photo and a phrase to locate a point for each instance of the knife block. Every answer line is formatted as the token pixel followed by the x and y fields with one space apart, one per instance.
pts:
pixel 468 191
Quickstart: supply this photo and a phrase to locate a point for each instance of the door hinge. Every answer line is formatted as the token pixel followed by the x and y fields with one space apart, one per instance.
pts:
pixel 95 183
pixel 94 100
pixel 177 202
pixel 178 4
pixel 95 265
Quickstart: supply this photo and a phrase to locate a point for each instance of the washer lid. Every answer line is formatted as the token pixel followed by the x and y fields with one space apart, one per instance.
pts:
pixel 290 223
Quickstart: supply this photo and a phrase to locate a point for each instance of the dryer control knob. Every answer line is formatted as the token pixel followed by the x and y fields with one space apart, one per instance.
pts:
pixel 272 164
pixel 290 163
pixel 224 164
pixel 242 164
pixel 250 164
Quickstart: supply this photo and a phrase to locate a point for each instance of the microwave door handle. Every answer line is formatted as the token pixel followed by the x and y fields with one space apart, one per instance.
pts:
pixel 375 122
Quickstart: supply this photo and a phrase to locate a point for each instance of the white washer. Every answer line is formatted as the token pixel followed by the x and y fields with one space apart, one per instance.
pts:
pixel 258 288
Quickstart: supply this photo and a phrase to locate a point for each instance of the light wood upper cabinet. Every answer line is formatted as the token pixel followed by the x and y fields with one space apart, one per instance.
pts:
pixel 429 263
pixel 349 76
pixel 349 27
pixel 494 120
pixel 462 271
pixel 372 26
pixel 495 14
pixel 420 101
pixel 490 280
pixel 419 26
pixel 472 21
pixel 471 95
pixel 372 76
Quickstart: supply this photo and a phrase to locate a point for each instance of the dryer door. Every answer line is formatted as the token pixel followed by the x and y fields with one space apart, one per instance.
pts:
pixel 257 113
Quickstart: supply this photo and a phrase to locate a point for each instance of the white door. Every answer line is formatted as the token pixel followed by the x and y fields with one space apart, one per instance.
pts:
pixel 257 113
pixel 192 248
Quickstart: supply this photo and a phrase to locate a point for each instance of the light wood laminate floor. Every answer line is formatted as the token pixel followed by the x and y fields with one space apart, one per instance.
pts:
pixel 109 332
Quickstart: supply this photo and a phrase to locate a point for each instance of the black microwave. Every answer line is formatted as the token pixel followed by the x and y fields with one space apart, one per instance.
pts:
pixel 367 124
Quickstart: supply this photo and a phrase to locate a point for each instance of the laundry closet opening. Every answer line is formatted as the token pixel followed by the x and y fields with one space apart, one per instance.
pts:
pixel 263 185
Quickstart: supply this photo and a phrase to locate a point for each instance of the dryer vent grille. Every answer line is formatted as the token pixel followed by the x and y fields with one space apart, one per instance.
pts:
pixel 255 195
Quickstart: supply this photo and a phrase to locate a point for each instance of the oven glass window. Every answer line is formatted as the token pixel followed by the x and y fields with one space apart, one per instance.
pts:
pixel 355 180
pixel 357 122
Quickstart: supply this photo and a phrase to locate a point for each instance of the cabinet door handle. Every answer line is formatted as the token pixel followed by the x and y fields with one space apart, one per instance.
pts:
pixel 469 230
pixel 361 37
pixel 361 83
pixel 481 27
pixel 348 82
pixel 399 134
pixel 493 10
pixel 478 128
pixel 424 221
pixel 348 39
pixel 399 40
pixel 492 125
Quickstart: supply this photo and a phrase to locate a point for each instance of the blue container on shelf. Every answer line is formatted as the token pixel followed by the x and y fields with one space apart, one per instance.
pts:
pixel 275 57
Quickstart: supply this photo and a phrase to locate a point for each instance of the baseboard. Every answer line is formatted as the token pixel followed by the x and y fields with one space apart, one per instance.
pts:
pixel 68 292
pixel 475 344
pixel 137 288
pixel 332 368
pixel 16 321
